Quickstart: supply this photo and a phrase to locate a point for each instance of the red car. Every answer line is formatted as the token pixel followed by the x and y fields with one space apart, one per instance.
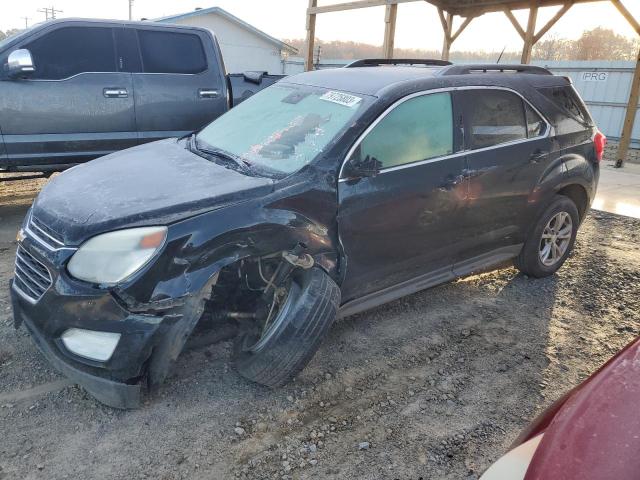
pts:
pixel 591 433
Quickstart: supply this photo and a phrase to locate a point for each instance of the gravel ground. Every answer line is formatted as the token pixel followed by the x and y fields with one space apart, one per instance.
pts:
pixel 433 386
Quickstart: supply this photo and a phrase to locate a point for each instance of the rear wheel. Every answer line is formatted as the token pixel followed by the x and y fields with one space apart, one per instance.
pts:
pixel 551 239
pixel 276 346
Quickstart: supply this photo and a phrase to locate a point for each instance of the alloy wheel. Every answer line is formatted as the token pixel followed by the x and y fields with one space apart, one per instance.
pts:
pixel 555 240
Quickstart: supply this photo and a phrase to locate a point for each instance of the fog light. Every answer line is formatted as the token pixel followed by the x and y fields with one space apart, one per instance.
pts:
pixel 91 344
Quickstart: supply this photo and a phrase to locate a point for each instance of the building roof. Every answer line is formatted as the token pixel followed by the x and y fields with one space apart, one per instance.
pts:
pixel 232 18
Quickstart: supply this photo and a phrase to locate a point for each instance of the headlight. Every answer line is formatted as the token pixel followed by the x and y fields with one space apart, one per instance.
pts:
pixel 112 257
pixel 513 465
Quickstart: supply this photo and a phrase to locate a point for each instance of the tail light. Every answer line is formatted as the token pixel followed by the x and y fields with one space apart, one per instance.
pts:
pixel 599 142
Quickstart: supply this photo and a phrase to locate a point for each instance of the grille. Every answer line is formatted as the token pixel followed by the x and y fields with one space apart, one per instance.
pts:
pixel 31 277
pixel 45 233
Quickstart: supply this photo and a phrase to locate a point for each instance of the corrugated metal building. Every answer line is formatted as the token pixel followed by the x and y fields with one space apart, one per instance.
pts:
pixel 244 47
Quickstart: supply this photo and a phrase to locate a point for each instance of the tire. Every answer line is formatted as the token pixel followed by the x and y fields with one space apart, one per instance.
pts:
pixel 531 260
pixel 296 333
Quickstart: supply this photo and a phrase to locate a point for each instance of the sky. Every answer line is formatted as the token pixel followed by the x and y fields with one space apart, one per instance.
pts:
pixel 417 25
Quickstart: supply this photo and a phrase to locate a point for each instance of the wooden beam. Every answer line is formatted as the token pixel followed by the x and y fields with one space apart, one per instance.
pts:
pixel 461 28
pixel 514 22
pixel 552 22
pixel 529 34
pixel 390 16
pixel 627 14
pixel 447 26
pixel 338 7
pixel 489 6
pixel 311 36
pixel 630 116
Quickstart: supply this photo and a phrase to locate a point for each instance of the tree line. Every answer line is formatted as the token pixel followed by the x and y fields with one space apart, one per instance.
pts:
pixel 8 33
pixel 596 44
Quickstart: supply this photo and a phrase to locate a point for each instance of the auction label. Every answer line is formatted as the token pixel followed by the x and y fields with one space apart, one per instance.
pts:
pixel 341 98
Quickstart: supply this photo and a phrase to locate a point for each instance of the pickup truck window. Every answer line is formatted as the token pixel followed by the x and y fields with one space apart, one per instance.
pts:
pixel 283 127
pixel 171 52
pixel 69 51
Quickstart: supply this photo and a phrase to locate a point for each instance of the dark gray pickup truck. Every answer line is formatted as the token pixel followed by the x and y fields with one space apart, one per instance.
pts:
pixel 72 90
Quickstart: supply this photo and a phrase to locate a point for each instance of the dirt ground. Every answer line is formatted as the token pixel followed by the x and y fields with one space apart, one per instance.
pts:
pixel 437 384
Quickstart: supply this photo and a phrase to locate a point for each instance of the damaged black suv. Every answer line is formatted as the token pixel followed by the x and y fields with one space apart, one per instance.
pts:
pixel 327 194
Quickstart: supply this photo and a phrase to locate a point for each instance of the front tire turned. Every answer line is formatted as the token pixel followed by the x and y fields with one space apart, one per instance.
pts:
pixel 551 239
pixel 275 355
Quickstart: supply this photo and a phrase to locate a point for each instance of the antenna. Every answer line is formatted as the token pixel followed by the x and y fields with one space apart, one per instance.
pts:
pixel 500 56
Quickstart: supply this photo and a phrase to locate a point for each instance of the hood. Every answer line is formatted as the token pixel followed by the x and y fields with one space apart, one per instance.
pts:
pixel 595 435
pixel 156 183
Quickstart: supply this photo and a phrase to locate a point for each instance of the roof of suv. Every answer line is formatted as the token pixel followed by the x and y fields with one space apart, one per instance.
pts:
pixel 372 80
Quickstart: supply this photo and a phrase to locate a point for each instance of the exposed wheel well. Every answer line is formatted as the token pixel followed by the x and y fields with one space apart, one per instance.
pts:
pixel 578 194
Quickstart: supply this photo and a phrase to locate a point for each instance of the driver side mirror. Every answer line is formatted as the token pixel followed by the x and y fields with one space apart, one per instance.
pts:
pixel 19 64
pixel 358 167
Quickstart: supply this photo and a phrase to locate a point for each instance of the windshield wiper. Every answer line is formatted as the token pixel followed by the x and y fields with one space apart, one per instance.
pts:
pixel 219 154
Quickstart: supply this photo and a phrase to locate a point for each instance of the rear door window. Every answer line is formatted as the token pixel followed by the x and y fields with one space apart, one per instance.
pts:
pixel 68 51
pixel 171 52
pixel 418 129
pixel 493 117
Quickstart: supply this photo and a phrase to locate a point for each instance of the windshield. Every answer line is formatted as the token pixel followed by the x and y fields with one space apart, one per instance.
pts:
pixel 284 127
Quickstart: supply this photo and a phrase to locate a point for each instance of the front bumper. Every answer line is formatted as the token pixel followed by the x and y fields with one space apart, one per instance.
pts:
pixel 70 304
pixel 112 393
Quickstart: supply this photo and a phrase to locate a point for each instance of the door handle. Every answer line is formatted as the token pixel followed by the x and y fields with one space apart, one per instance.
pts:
pixel 115 92
pixel 538 155
pixel 208 93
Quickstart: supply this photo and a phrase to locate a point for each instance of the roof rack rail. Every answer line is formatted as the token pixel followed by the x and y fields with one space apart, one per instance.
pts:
pixel 375 62
pixel 494 67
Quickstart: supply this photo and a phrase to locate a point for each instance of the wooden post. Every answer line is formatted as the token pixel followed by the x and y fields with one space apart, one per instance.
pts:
pixel 447 24
pixel 530 33
pixel 632 105
pixel 390 15
pixel 311 36
pixel 630 117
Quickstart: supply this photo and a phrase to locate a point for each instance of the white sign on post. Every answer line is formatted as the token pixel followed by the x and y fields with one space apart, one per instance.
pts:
pixel 595 76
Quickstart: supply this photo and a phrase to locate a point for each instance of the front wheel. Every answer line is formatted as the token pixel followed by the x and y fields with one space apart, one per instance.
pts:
pixel 272 352
pixel 551 239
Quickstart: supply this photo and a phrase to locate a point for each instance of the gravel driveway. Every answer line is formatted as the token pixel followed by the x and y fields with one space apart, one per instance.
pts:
pixel 433 386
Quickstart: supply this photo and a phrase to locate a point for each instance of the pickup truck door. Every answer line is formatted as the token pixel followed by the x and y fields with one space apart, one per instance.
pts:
pixel 77 105
pixel 403 224
pixel 182 85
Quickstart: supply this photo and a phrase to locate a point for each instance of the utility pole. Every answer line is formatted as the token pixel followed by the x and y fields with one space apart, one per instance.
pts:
pixel 26 22
pixel 130 9
pixel 49 13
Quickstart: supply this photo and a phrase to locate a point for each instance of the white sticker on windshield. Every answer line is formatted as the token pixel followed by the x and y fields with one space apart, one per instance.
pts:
pixel 341 98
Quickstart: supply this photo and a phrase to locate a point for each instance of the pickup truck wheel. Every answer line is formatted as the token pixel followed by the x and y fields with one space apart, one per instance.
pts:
pixel 272 354
pixel 551 239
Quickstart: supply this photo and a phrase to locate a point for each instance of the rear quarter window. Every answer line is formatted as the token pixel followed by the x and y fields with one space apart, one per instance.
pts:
pixel 569 102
